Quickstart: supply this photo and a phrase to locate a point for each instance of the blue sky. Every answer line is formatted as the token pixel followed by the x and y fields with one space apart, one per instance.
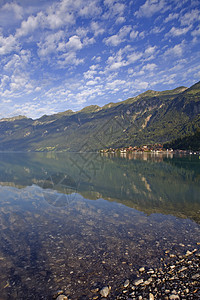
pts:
pixel 68 54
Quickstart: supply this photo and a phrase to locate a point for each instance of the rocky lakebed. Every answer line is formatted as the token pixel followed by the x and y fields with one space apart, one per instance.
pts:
pixel 178 277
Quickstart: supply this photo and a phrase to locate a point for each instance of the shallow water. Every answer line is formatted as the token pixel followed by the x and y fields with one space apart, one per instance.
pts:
pixel 79 221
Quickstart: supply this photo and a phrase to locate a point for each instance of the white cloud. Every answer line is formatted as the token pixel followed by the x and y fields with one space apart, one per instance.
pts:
pixel 113 40
pixel 120 20
pixel 115 9
pixel 118 8
pixel 190 17
pixel 92 82
pixel 89 74
pixel 157 30
pixel 7 101
pixel 133 57
pixel 141 85
pixel 116 61
pixel 118 38
pixel 18 61
pixel 196 32
pixel 89 8
pixel 109 2
pixel 74 43
pixel 38 88
pixel 51 43
pixel 97 58
pixel 88 41
pixel 150 7
pixel 20 81
pixel 8 44
pixel 15 8
pixel 178 31
pixel 114 85
pixel 30 25
pixel 149 67
pixel 57 15
pixel 142 34
pixel 171 16
pixel 122 58
pixel 97 28
pixel 177 50
pixel 4 81
pixel 150 50
pixel 82 32
pixel 134 34
pixel 69 58
pixel 56 43
pixel 31 109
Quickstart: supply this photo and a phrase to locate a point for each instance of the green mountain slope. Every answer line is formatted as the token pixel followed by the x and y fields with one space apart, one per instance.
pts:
pixel 148 118
pixel 186 143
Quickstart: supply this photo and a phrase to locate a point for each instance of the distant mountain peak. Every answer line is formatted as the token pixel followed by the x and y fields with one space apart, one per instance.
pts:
pixel 66 112
pixel 180 89
pixel 90 108
pixel 13 118
pixel 194 89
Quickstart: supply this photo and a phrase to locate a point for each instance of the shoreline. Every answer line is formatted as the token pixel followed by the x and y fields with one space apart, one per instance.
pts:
pixel 177 277
pixel 167 153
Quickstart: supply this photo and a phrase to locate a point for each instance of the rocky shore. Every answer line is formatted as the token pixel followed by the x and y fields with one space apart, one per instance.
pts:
pixel 178 277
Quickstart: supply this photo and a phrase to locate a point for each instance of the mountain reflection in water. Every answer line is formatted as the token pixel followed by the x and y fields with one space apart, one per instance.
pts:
pixel 147 182
pixel 53 235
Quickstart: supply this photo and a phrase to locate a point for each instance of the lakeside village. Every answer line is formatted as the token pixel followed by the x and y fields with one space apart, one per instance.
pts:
pixel 157 148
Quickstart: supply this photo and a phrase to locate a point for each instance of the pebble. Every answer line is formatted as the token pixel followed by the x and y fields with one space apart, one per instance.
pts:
pixel 105 291
pixel 150 271
pixel 196 276
pixel 182 269
pixel 142 269
pixel 95 290
pixel 172 267
pixel 138 282
pixel 126 283
pixel 62 297
pixel 57 293
pixel 174 297
pixel 188 253
pixel 151 296
pixel 147 282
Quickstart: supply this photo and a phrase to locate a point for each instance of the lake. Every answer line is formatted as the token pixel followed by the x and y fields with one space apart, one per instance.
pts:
pixel 84 220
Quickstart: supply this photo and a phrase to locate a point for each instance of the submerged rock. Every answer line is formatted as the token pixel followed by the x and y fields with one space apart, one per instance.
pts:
pixel 142 269
pixel 57 293
pixel 126 283
pixel 151 296
pixel 174 297
pixel 105 291
pixel 62 297
pixel 138 282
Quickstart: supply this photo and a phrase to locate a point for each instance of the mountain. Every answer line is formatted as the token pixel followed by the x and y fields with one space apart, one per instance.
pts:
pixel 150 117
pixel 189 142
